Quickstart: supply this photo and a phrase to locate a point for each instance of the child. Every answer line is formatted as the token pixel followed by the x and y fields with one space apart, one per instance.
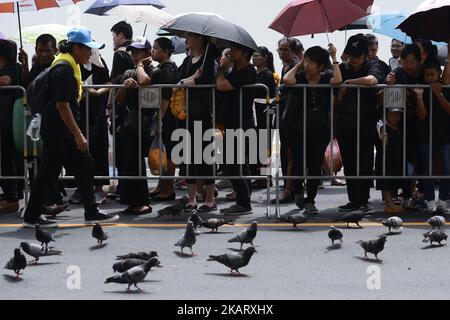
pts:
pixel 392 133
pixel 440 121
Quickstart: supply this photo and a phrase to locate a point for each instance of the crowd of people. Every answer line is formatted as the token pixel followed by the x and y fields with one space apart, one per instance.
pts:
pixel 75 132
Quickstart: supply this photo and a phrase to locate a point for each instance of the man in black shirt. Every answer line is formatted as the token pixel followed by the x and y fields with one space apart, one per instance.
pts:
pixel 243 74
pixel 63 140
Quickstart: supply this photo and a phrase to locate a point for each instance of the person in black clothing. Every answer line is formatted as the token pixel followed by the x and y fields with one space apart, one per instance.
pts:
pixel 287 47
pixel 9 76
pixel 315 71
pixel 165 73
pixel 134 193
pixel 243 74
pixel 263 61
pixel 62 137
pixel 198 69
pixel 122 34
pixel 357 71
pixel 373 54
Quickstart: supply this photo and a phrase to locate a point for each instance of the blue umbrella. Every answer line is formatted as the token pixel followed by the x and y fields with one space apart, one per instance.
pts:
pixel 386 25
pixel 100 7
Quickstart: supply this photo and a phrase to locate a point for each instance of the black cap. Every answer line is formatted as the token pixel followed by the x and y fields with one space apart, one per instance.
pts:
pixel 357 46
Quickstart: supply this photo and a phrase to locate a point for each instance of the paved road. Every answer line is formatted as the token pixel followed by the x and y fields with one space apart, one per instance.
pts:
pixel 290 264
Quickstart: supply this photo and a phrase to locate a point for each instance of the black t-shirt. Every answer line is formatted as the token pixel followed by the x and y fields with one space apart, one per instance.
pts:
pixel 317 105
pixel 165 74
pixel 239 78
pixel 121 63
pixel 8 97
pixel 411 102
pixel 64 89
pixel 266 77
pixel 347 109
pixel 36 70
pixel 385 69
pixel 440 121
pixel 10 70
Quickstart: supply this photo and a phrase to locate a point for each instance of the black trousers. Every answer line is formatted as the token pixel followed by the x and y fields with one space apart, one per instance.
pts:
pixel 9 167
pixel 261 119
pixel 316 144
pixel 358 190
pixel 134 192
pixel 59 150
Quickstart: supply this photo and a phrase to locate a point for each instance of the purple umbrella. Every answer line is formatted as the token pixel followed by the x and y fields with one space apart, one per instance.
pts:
pixel 2 37
pixel 430 21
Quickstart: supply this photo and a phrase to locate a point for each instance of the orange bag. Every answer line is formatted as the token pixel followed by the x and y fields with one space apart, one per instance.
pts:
pixel 154 158
pixel 178 104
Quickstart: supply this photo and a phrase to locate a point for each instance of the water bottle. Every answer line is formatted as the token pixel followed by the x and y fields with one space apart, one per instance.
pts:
pixel 34 130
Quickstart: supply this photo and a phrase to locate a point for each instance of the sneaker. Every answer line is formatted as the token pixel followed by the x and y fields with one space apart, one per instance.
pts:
pixel 311 209
pixel 9 207
pixel 349 207
pixel 100 217
pixel 236 210
pixel 76 198
pixel 43 222
pixel 100 197
pixel 431 207
pixel 442 207
pixel 206 209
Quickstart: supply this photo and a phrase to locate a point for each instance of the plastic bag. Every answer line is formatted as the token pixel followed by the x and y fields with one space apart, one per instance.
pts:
pixel 337 159
pixel 178 104
pixel 34 129
pixel 155 157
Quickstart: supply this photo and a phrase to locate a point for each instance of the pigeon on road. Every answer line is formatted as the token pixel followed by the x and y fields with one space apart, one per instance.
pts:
pixel 436 222
pixel 44 237
pixel 125 265
pixel 435 236
pixel 247 235
pixel 196 220
pixel 139 255
pixel 214 224
pixel 188 238
pixel 373 246
pixel 335 234
pixel 174 210
pixel 133 276
pixel 393 222
pixel 235 260
pixel 352 217
pixel 36 252
pixel 294 219
pixel 17 263
pixel 99 234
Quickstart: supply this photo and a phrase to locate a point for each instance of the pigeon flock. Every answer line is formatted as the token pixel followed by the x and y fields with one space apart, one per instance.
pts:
pixel 133 267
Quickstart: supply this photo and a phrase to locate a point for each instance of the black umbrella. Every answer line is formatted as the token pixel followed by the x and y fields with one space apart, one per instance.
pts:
pixel 221 31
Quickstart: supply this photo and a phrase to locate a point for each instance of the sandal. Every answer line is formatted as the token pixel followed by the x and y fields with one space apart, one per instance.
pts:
pixel 139 211
pixel 231 196
pixel 206 209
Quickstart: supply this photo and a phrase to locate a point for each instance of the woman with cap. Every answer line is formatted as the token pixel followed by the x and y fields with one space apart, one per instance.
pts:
pixel 357 71
pixel 164 73
pixel 64 142
pixel 134 192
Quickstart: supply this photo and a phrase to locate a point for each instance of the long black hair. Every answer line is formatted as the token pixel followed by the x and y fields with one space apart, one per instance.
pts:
pixel 166 44
pixel 269 56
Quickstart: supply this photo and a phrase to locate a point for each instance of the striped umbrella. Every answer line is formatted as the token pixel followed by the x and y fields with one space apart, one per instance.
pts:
pixel 17 6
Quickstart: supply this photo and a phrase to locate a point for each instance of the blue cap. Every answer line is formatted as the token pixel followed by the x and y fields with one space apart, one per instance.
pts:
pixel 83 36
pixel 140 43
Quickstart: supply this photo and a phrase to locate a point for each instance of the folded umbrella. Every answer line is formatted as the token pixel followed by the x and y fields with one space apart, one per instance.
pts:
pixel 430 21
pixel 221 31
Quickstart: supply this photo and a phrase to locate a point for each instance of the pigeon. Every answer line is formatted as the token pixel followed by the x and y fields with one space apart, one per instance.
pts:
pixel 294 219
pixel 352 217
pixel 436 222
pixel 235 260
pixel 139 255
pixel 196 220
pixel 99 234
pixel 247 235
pixel 393 222
pixel 373 246
pixel 134 275
pixel 215 223
pixel 435 236
pixel 174 210
pixel 188 238
pixel 127 264
pixel 17 263
pixel 36 252
pixel 44 237
pixel 335 234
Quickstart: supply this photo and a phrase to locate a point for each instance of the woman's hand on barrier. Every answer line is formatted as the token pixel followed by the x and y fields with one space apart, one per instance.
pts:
pixel 391 79
pixel 130 83
pixel 437 88
pixel 93 92
pixel 418 92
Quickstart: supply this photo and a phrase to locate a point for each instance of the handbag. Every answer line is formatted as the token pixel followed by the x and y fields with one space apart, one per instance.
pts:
pixel 131 123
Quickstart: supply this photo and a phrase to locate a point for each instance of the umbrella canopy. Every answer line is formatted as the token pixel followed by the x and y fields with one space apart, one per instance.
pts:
pixel 431 21
pixel 206 24
pixel 179 45
pixel 100 7
pixel 359 24
pixel 30 34
pixel 303 17
pixel 386 24
pixel 2 37
pixel 147 14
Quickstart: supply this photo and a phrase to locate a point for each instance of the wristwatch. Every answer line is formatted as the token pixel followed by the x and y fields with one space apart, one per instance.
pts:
pixel 141 65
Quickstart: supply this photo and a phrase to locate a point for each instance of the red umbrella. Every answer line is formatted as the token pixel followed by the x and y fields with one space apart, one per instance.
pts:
pixel 430 21
pixel 302 17
pixel 16 6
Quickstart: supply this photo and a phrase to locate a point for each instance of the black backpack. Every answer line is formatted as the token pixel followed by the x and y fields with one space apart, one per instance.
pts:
pixel 38 90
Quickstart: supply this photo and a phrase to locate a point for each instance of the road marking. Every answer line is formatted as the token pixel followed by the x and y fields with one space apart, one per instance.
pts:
pixel 179 225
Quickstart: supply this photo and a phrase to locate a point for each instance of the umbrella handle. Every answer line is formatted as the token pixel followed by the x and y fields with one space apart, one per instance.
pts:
pixel 20 25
